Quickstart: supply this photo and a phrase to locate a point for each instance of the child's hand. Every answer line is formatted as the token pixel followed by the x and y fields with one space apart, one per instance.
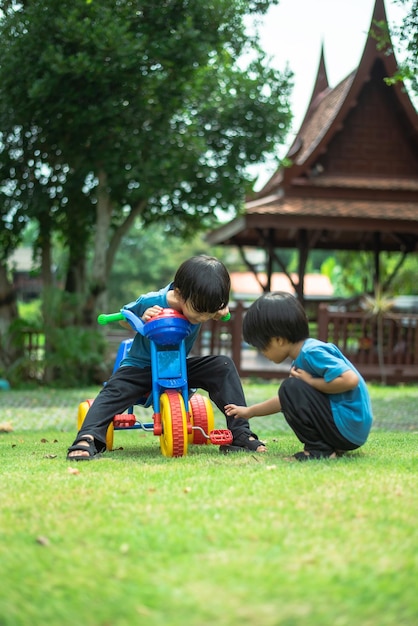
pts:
pixel 152 312
pixel 233 410
pixel 302 375
pixel 340 384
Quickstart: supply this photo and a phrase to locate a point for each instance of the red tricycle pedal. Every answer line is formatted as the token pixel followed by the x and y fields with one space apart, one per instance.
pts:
pixel 124 420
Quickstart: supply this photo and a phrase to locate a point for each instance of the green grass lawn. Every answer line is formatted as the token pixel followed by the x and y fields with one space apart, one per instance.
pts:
pixel 244 539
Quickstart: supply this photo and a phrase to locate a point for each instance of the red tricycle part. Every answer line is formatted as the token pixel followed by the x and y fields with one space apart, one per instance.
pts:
pixel 221 437
pixel 124 420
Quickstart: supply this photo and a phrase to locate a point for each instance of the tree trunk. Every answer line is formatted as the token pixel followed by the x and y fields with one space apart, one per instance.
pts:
pixel 9 350
pixel 75 281
pixel 47 302
pixel 97 297
pixel 380 348
pixel 105 248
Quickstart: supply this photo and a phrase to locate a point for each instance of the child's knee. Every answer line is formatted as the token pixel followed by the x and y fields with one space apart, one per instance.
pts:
pixel 288 388
pixel 224 361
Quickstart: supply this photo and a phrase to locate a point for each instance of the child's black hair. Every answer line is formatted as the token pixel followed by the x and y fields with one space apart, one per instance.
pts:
pixel 277 314
pixel 204 282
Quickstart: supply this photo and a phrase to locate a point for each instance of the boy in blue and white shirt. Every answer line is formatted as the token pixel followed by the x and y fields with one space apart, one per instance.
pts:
pixel 325 400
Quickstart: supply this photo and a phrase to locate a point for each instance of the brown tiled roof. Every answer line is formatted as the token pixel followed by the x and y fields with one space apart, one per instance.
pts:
pixel 332 208
pixel 322 114
pixel 358 182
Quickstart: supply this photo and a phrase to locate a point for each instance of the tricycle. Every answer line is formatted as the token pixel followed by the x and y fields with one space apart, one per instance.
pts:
pixel 181 416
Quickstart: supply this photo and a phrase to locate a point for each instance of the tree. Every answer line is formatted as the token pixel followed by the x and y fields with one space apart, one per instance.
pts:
pixel 407 35
pixel 351 273
pixel 148 259
pixel 378 307
pixel 135 110
pixel 13 223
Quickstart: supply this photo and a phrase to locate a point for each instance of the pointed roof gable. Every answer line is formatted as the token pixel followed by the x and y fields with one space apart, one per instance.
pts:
pixel 388 59
pixel 320 90
pixel 328 108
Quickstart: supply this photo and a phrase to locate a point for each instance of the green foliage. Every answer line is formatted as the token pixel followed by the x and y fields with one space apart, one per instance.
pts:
pixel 148 259
pixel 76 356
pixel 405 281
pixel 348 272
pixel 30 313
pixel 112 111
pixel 406 36
pixel 11 349
pixel 351 273
pixel 74 353
pixel 378 307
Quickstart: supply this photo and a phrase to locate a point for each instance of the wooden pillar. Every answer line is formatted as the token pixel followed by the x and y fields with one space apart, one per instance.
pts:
pixel 237 316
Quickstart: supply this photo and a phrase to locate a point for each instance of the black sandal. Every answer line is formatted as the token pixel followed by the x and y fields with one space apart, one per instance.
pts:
pixel 243 443
pixel 308 456
pixel 91 449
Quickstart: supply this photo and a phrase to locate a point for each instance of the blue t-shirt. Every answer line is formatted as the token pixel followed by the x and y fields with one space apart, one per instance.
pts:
pixel 139 354
pixel 352 409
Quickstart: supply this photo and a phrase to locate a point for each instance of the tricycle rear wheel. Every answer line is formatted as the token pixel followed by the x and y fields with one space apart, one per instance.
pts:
pixel 83 408
pixel 201 414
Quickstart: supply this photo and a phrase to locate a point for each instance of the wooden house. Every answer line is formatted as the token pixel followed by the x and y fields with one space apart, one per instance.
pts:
pixel 352 184
pixel 353 179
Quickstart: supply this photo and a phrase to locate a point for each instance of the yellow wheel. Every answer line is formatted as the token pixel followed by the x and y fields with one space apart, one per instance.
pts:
pixel 82 412
pixel 201 414
pixel 81 416
pixel 174 439
pixel 109 437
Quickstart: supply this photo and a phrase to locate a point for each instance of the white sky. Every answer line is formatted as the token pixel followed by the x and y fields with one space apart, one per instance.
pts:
pixel 293 32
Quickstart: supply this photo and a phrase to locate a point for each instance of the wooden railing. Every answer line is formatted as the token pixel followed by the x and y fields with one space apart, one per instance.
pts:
pixel 355 333
pixel 34 351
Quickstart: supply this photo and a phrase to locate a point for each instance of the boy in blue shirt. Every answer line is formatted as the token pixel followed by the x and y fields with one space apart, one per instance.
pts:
pixel 325 400
pixel 200 292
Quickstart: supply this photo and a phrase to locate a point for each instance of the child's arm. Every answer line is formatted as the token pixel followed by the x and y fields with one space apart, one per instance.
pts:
pixel 347 381
pixel 268 407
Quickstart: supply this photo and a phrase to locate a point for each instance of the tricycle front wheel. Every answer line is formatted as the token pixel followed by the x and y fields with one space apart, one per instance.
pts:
pixel 174 438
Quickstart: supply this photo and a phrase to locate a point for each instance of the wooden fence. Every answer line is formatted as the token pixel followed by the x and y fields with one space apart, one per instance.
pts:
pixel 355 333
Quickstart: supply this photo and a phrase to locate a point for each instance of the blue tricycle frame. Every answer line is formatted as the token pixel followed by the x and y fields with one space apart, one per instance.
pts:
pixel 181 416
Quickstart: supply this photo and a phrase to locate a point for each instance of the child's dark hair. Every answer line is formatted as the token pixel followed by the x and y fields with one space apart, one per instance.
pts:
pixel 277 314
pixel 204 282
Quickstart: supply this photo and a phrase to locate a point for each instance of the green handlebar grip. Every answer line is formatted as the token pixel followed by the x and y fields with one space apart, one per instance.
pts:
pixel 110 317
pixel 104 318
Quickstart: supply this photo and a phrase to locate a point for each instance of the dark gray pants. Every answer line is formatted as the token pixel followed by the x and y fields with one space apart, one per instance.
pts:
pixel 308 413
pixel 215 374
